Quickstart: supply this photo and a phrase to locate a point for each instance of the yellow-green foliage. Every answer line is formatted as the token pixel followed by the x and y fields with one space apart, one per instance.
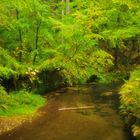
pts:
pixel 9 66
pixel 6 72
pixel 80 67
pixel 130 99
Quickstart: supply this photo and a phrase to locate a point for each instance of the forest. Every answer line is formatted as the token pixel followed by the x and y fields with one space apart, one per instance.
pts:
pixel 46 45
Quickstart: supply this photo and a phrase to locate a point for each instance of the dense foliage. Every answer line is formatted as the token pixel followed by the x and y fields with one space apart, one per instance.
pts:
pixel 45 44
pixel 130 100
pixel 88 39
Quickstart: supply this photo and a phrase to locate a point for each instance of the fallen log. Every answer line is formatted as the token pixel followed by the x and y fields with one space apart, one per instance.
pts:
pixel 76 108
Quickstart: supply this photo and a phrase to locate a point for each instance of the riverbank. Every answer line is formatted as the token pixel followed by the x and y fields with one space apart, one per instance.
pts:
pixel 18 107
pixel 10 123
pixel 130 102
pixel 19 103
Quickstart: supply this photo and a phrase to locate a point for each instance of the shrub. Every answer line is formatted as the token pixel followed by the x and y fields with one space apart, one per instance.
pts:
pixel 130 101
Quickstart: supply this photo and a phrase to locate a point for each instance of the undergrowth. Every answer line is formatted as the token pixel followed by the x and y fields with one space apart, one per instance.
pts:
pixel 19 103
pixel 130 101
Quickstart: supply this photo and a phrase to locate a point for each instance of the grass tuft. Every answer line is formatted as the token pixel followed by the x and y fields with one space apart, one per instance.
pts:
pixel 19 103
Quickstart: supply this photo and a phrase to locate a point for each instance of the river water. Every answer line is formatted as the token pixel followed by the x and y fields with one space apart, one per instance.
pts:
pixel 100 123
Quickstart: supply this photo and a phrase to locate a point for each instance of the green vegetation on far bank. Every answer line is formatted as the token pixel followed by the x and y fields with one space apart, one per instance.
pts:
pixel 19 103
pixel 130 102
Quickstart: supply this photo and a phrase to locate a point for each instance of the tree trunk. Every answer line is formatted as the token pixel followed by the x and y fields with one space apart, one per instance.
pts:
pixel 116 56
pixel 20 38
pixel 36 40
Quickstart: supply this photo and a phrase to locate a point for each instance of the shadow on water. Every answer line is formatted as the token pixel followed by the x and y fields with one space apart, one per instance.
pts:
pixel 101 123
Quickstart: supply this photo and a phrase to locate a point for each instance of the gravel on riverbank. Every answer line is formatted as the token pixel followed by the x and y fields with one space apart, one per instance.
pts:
pixel 10 123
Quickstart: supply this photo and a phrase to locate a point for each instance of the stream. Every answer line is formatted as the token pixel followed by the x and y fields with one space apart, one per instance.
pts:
pixel 102 122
